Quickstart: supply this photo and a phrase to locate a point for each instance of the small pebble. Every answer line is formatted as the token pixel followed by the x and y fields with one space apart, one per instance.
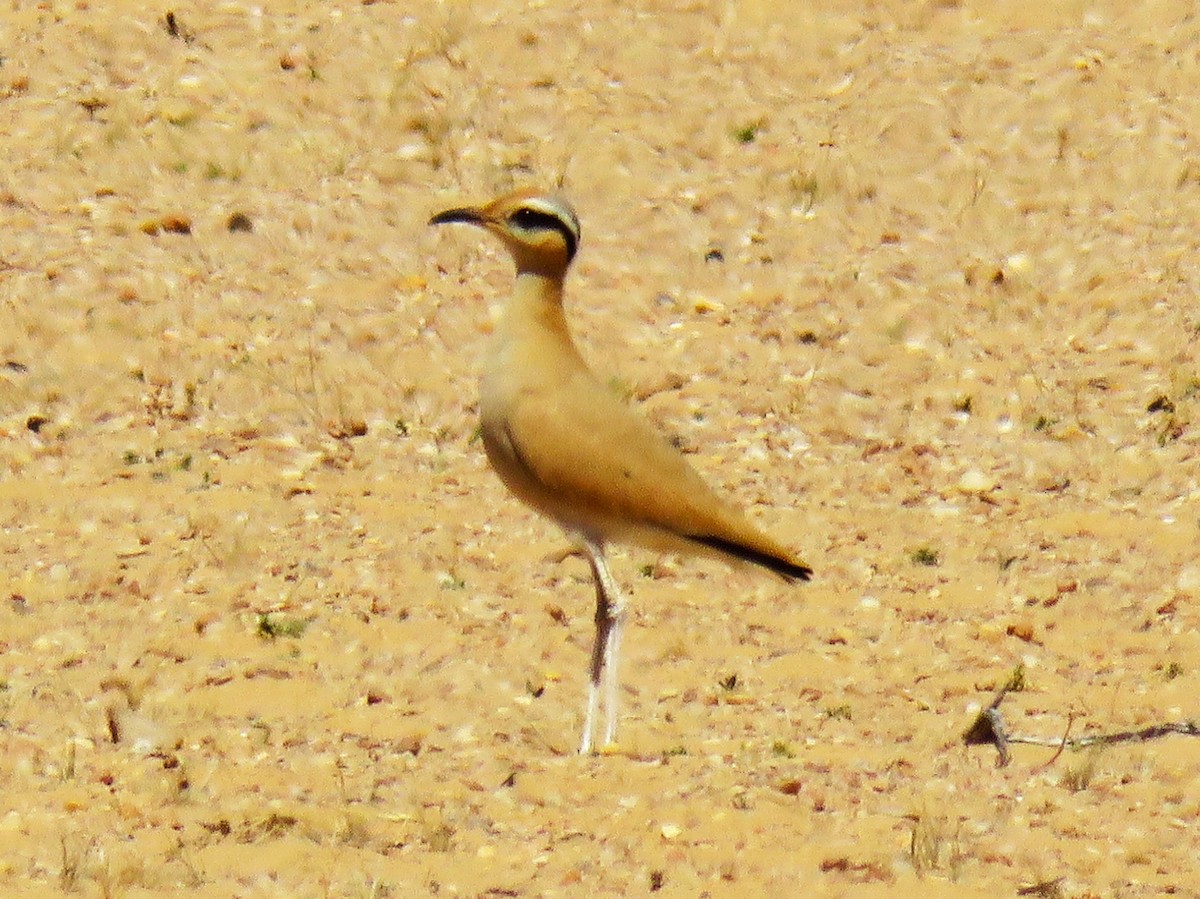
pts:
pixel 975 481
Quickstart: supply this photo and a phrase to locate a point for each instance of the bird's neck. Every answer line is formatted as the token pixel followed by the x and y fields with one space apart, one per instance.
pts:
pixel 530 347
pixel 536 307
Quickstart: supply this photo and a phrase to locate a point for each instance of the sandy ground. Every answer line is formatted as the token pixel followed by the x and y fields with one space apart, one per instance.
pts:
pixel 270 626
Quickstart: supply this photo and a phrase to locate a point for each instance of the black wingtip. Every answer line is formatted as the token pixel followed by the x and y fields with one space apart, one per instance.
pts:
pixel 787 569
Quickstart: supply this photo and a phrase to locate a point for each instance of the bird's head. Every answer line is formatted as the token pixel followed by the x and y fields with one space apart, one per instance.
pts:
pixel 540 231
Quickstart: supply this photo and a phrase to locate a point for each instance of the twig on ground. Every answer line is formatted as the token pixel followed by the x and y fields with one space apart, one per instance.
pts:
pixel 1062 744
pixel 990 727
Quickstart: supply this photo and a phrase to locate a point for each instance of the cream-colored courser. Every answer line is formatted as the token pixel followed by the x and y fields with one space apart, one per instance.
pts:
pixel 567 446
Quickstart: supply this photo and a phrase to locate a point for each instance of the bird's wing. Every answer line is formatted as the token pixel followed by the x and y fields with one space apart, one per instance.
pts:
pixel 591 452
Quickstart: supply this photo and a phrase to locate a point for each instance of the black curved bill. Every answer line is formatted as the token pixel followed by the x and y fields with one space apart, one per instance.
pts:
pixel 470 216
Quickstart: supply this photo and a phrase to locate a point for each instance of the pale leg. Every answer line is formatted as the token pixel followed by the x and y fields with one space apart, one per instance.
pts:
pixel 606 650
pixel 612 652
pixel 599 646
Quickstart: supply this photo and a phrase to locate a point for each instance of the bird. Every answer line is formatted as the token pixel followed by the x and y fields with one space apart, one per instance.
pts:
pixel 565 444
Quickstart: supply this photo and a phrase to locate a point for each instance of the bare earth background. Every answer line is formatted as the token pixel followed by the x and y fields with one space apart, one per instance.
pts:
pixel 271 628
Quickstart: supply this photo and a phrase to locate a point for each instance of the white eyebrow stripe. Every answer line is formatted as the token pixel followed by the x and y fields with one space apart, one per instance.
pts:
pixel 556 208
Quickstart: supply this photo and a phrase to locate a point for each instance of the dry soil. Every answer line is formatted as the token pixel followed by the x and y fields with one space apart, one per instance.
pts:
pixel 915 282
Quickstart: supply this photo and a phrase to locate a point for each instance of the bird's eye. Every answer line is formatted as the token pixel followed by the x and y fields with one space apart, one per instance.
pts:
pixel 532 218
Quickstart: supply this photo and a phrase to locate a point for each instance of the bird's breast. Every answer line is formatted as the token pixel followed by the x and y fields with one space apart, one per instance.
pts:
pixel 524 375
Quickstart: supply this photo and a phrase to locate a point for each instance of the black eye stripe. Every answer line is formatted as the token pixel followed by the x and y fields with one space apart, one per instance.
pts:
pixel 534 218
